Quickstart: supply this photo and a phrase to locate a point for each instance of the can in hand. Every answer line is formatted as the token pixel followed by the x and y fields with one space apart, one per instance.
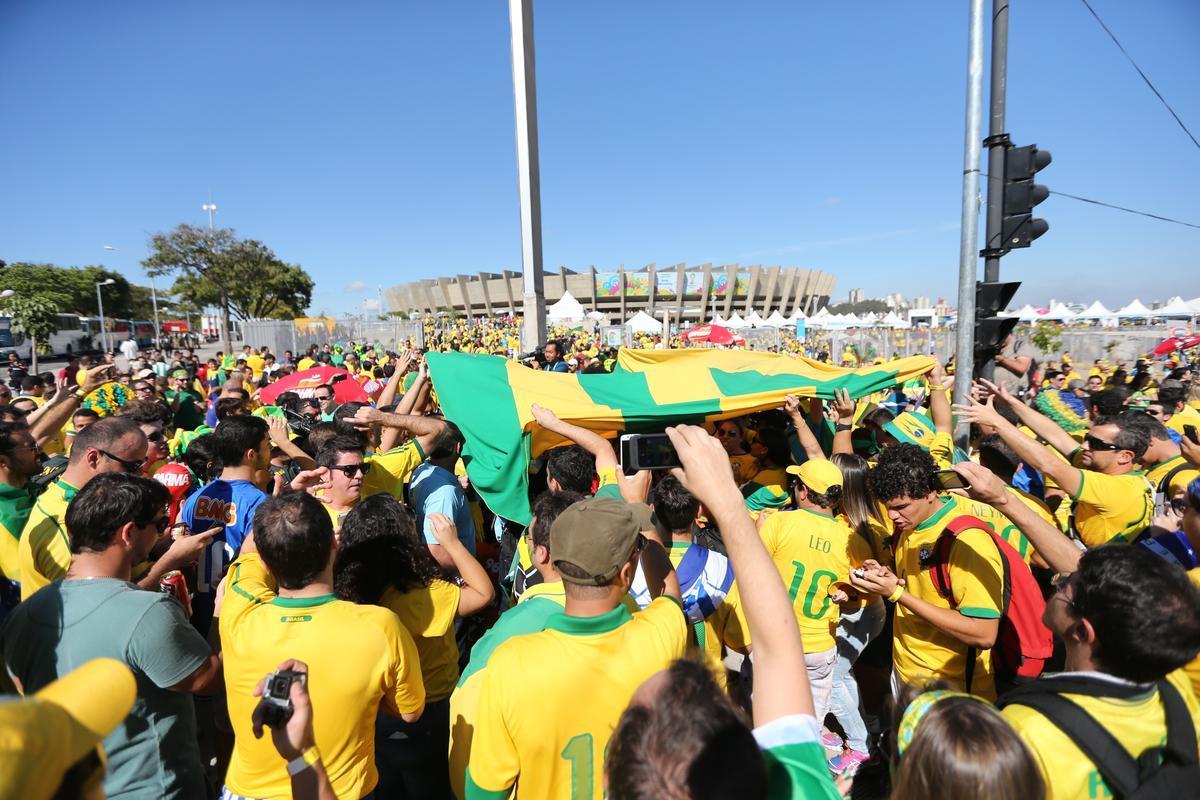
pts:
pixel 174 584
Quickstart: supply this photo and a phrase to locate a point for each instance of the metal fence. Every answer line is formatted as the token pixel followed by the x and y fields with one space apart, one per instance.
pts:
pixel 300 334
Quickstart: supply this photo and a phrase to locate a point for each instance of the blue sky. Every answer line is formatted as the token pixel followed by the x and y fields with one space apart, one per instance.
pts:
pixel 372 142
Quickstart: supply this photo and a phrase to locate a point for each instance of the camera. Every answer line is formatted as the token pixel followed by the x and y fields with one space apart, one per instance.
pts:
pixel 647 451
pixel 275 705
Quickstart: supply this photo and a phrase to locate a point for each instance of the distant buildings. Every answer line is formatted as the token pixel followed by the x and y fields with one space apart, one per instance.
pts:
pixel 856 296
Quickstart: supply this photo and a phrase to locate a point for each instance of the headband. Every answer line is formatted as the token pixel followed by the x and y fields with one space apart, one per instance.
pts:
pixel 917 710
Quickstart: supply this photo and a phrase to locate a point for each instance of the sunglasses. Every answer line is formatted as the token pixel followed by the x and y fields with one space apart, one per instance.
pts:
pixel 132 467
pixel 350 470
pixel 727 432
pixel 1094 443
pixel 323 398
pixel 162 523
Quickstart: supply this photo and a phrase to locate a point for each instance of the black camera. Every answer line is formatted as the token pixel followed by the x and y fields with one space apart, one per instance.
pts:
pixel 275 705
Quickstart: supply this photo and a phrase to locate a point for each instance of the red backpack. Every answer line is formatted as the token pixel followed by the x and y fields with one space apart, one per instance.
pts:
pixel 1023 644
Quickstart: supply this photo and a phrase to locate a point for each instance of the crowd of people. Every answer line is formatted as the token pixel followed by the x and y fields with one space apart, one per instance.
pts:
pixel 219 580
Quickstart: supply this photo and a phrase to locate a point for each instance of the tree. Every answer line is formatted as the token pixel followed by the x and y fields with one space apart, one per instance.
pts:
pixel 240 276
pixel 72 289
pixel 861 307
pixel 1047 336
pixel 33 315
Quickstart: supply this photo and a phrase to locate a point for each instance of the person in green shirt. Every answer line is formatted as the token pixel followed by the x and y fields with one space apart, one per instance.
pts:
pixel 187 406
pixel 18 463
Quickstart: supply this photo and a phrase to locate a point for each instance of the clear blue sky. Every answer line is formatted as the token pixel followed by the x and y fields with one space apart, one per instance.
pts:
pixel 372 142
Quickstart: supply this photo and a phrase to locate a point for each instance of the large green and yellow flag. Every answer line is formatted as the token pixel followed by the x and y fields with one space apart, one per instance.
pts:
pixel 489 398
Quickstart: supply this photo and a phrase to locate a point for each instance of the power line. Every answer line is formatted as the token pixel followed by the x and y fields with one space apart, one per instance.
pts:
pixel 1126 210
pixel 1157 93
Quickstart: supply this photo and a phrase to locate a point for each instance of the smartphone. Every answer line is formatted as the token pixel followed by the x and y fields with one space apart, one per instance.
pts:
pixel 275 705
pixel 1190 432
pixel 647 451
pixel 948 479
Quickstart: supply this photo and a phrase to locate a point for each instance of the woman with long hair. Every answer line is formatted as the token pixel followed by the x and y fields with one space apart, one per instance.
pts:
pixel 382 561
pixel 862 617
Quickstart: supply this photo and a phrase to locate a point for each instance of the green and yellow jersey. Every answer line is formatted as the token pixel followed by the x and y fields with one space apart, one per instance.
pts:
pixel 812 552
pixel 559 751
pixel 921 650
pixel 1138 723
pixel 16 504
pixel 390 471
pixel 1179 481
pixel 1112 508
pixel 428 613
pixel 44 551
pixel 360 659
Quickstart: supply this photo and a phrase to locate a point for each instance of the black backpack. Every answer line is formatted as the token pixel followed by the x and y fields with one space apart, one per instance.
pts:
pixel 1170 771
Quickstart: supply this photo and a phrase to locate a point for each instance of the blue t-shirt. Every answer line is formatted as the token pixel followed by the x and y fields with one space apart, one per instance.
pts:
pixel 435 490
pixel 220 502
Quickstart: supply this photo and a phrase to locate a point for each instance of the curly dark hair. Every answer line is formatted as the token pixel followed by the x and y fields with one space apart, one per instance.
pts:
pixel 379 547
pixel 904 470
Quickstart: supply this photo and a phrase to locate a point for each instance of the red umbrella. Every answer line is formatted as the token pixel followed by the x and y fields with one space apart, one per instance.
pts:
pixel 714 334
pixel 305 384
pixel 1173 343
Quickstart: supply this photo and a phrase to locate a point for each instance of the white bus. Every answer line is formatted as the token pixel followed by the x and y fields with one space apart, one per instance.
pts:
pixel 72 336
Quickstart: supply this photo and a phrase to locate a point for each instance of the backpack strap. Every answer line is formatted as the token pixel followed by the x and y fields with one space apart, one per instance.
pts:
pixel 1164 486
pixel 1181 730
pixel 1119 770
pixel 940 572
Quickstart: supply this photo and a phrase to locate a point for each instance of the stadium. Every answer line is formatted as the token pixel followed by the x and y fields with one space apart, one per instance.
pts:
pixel 688 293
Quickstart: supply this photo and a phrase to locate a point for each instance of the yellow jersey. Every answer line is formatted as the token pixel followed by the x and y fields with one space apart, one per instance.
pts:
pixel 1179 481
pixel 16 503
pixel 44 551
pixel 390 471
pixel 429 613
pixel 1001 524
pixel 923 651
pixel 305 363
pixel 1192 670
pixel 1188 416
pixel 812 552
pixel 1138 723
pixel 1112 508
pixel 360 658
pixel 745 466
pixel 559 752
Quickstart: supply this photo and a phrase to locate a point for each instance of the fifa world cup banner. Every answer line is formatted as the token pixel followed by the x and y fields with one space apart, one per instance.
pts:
pixel 637 285
pixel 665 283
pixel 608 284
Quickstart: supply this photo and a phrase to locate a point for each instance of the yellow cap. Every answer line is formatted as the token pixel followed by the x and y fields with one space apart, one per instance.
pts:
pixel 43 736
pixel 817 474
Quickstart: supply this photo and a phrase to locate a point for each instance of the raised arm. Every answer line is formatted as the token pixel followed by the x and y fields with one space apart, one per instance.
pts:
pixel 477 589
pixel 843 410
pixel 425 429
pixel 1059 552
pixel 278 430
pixel 1039 423
pixel 939 403
pixel 1034 454
pixel 599 447
pixel 780 677
pixel 812 448
pixel 47 420
pixel 388 395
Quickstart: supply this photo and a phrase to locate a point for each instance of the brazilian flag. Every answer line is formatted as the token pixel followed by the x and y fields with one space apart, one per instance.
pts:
pixel 489 398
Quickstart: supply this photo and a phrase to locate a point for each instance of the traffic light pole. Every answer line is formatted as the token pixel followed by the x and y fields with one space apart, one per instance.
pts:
pixel 968 258
pixel 996 144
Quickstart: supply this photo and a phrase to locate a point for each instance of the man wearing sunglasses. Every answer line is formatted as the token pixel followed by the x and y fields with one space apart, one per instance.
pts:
pixel 114 444
pixel 96 612
pixel 150 416
pixel 1113 500
pixel 342 457
pixel 18 463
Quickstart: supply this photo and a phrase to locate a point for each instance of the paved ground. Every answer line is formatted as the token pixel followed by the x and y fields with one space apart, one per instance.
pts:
pixel 55 363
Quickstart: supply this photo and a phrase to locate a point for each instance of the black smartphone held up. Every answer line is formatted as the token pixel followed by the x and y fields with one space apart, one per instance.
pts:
pixel 1190 432
pixel 948 479
pixel 275 705
pixel 647 451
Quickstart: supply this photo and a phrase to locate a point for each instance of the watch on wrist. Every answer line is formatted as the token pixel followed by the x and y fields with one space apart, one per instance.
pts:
pixel 841 426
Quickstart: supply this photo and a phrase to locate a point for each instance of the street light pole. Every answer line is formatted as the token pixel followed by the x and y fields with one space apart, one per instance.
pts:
pixel 211 208
pixel 153 301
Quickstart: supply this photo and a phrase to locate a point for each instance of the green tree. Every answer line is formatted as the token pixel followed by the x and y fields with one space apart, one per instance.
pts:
pixel 72 289
pixel 1047 336
pixel 860 308
pixel 33 315
pixel 242 277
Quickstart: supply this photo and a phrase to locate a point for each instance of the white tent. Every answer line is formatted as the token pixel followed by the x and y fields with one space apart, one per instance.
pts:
pixel 893 320
pixel 596 315
pixel 798 316
pixel 736 322
pixel 1059 313
pixel 869 318
pixel 1096 311
pixel 1175 308
pixel 775 320
pixel 567 309
pixel 1134 310
pixel 717 320
pixel 754 320
pixel 641 322
pixel 822 313
pixel 1028 314
pixel 851 320
pixel 1194 304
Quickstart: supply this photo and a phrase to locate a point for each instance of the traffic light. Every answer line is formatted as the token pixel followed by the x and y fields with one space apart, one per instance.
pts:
pixel 990 330
pixel 1021 194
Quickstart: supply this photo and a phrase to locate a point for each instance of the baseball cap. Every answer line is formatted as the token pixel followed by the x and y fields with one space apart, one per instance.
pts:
pixel 45 735
pixel 911 428
pixel 817 474
pixel 593 539
pixel 179 373
pixel 643 516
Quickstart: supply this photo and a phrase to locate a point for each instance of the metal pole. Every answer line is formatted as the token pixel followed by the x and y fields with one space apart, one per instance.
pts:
pixel 964 360
pixel 103 328
pixel 997 140
pixel 154 300
pixel 520 17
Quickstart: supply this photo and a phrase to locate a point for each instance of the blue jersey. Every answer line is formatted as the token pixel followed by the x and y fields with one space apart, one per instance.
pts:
pixel 220 502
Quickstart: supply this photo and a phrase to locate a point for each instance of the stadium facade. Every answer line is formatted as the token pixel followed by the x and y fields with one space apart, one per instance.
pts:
pixel 689 293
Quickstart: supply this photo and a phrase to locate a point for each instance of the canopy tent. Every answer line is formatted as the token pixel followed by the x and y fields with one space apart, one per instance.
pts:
pixel 893 320
pixel 869 318
pixel 851 320
pixel 716 320
pixel 776 319
pixel 1175 308
pixel 754 320
pixel 1029 314
pixel 1096 311
pixel 1059 313
pixel 567 309
pixel 1194 304
pixel 641 322
pixel 596 315
pixel 736 322
pixel 798 316
pixel 1134 310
